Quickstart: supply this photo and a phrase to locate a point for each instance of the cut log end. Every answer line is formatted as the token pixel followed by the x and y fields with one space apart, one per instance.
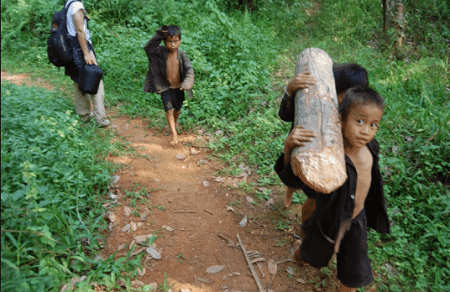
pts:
pixel 322 171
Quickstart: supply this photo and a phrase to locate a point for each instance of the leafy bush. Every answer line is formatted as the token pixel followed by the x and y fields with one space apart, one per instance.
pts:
pixel 50 186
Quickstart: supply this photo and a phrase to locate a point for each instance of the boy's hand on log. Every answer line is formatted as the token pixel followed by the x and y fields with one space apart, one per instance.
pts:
pixel 300 81
pixel 299 136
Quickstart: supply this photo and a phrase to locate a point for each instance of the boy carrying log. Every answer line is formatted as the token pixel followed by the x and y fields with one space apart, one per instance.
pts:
pixel 340 220
pixel 346 75
pixel 170 73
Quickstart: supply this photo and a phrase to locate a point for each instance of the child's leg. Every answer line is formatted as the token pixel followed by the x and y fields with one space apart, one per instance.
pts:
pixel 297 254
pixel 287 199
pixel 171 121
pixel 307 210
pixel 176 114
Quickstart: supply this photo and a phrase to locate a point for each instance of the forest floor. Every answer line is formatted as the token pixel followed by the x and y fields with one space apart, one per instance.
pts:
pixel 176 194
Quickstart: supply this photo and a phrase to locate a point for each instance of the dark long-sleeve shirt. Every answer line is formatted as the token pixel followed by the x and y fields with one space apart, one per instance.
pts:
pixel 156 80
pixel 334 209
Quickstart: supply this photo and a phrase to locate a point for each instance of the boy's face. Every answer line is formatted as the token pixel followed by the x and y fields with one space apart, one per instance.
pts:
pixel 361 124
pixel 172 43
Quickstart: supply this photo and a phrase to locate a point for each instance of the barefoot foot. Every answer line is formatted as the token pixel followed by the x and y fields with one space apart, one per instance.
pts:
pixel 297 254
pixel 174 140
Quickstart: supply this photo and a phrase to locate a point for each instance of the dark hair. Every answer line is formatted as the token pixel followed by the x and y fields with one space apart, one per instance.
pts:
pixel 173 30
pixel 359 95
pixel 349 75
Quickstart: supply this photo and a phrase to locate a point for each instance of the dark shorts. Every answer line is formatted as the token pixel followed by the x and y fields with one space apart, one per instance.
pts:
pixel 172 99
pixel 353 264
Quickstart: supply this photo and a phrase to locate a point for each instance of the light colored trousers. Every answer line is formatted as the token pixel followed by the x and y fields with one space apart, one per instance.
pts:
pixel 83 101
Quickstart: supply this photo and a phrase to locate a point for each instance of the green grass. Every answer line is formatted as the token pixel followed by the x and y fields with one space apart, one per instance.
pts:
pixel 53 176
pixel 236 55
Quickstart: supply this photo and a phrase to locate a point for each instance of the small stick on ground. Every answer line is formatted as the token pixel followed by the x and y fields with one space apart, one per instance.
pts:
pixel 228 264
pixel 285 261
pixel 255 275
pixel 207 211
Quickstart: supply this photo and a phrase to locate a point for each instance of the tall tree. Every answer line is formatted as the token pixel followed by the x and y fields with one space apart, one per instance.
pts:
pixel 394 17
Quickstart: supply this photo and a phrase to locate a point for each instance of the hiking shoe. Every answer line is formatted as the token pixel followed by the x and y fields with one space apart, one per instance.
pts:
pixel 85 118
pixel 103 122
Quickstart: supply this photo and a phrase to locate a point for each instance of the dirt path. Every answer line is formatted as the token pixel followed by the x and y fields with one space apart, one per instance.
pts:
pixel 175 193
pixel 189 198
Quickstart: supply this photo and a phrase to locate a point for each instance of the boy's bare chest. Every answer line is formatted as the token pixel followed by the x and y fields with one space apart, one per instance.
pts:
pixel 172 61
pixel 363 165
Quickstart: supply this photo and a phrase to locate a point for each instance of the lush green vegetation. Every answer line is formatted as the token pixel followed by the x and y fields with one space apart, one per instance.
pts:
pixel 52 182
pixel 241 61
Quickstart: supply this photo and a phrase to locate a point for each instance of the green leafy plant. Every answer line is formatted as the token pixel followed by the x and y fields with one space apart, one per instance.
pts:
pixel 181 257
pixel 165 287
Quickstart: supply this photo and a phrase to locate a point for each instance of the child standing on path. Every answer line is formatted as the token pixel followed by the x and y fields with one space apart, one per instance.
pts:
pixel 346 75
pixel 340 220
pixel 170 73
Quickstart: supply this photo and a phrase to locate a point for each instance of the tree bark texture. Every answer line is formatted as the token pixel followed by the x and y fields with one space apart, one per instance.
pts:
pixel 321 163
pixel 394 17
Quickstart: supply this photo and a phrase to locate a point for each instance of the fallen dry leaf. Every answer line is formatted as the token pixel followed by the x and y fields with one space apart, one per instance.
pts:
pixel 153 252
pixel 133 226
pixel 272 267
pixel 301 281
pixel 214 269
pixel 141 272
pixel 168 228
pixel 141 239
pixel 243 222
pixel 219 179
pixel 193 151
pixel 126 228
pixel 127 210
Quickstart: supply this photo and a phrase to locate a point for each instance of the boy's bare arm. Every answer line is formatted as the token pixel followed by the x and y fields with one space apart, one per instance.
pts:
pixel 298 137
pixel 155 41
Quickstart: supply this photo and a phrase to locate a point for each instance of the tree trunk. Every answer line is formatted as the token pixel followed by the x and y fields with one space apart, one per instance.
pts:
pixel 393 17
pixel 321 163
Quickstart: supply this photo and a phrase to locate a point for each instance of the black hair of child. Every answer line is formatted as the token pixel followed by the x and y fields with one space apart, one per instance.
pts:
pixel 359 95
pixel 172 30
pixel 349 75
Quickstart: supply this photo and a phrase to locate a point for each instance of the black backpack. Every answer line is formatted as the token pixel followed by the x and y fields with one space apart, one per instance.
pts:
pixel 58 49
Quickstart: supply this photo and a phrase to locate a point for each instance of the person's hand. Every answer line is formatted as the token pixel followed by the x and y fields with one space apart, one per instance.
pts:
pixel 298 137
pixel 89 59
pixel 300 81
pixel 182 89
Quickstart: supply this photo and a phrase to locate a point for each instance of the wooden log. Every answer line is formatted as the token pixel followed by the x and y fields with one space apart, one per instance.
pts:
pixel 321 163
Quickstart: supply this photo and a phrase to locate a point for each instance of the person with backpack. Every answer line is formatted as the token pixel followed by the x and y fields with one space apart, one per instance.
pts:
pixel 79 40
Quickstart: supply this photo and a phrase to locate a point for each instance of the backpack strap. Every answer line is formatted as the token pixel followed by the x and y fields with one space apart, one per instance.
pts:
pixel 70 3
